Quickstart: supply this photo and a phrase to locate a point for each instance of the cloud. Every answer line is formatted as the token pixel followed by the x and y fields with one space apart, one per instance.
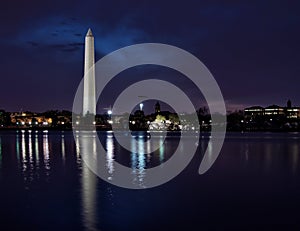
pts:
pixel 70 47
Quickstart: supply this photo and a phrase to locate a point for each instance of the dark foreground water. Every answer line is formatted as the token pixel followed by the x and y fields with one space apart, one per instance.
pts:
pixel 253 185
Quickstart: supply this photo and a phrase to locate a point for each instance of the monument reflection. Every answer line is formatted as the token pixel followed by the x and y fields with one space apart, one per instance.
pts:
pixel 87 144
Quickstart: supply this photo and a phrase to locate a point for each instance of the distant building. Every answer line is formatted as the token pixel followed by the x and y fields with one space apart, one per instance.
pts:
pixel 273 111
pixel 29 119
pixel 157 107
pixel 255 111
pixel 289 104
pixel 292 112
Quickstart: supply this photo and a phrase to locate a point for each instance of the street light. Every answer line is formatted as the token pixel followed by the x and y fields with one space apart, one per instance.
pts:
pixel 141 106
pixel 109 112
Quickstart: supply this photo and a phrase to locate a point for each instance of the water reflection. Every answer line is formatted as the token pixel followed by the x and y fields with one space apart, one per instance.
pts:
pixel 87 145
pixel 138 161
pixel 89 199
pixel 294 150
pixel 17 146
pixel 23 151
pixel 46 153
pixel 28 154
pixel 32 164
pixel 268 157
pixel 32 155
pixel 63 149
pixel 30 149
pixel 161 150
pixel 266 154
pixel 36 144
pixel 246 151
pixel 110 156
pixel 78 158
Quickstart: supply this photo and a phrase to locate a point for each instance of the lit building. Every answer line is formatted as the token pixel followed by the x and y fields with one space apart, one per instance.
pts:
pixel 274 110
pixel 254 111
pixel 293 113
pixel 29 119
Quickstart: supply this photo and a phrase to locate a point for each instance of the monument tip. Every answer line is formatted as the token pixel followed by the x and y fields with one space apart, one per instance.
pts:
pixel 89 33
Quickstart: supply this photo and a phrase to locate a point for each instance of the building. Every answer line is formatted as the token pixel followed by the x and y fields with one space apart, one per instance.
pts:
pixel 157 107
pixel 253 112
pixel 293 113
pixel 272 112
pixel 29 119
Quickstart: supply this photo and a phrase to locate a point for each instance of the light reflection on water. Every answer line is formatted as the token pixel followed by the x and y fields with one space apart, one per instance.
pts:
pixel 138 160
pixel 37 156
pixel 294 150
pixel 110 155
pixel 87 144
pixel 161 150
pixel 63 148
pixel 89 199
pixel 46 152
pixel 23 150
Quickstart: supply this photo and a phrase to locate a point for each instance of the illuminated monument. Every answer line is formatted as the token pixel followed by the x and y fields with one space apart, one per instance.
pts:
pixel 89 97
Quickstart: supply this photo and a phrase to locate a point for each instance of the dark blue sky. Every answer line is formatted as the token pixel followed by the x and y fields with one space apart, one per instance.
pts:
pixel 251 47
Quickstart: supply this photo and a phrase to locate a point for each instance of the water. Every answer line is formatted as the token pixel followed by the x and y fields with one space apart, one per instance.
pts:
pixel 44 185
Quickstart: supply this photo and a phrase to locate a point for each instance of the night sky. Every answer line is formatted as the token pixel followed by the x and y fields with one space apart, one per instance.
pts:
pixel 251 47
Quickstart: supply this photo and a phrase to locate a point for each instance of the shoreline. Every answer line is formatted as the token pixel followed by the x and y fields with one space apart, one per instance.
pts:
pixel 106 130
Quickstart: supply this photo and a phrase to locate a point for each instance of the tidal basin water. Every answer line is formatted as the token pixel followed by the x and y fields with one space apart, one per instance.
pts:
pixel 45 185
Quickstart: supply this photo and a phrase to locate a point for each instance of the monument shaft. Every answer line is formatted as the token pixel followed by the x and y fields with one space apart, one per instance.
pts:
pixel 89 91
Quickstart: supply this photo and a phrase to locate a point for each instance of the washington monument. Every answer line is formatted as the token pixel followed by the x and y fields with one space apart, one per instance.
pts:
pixel 89 97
